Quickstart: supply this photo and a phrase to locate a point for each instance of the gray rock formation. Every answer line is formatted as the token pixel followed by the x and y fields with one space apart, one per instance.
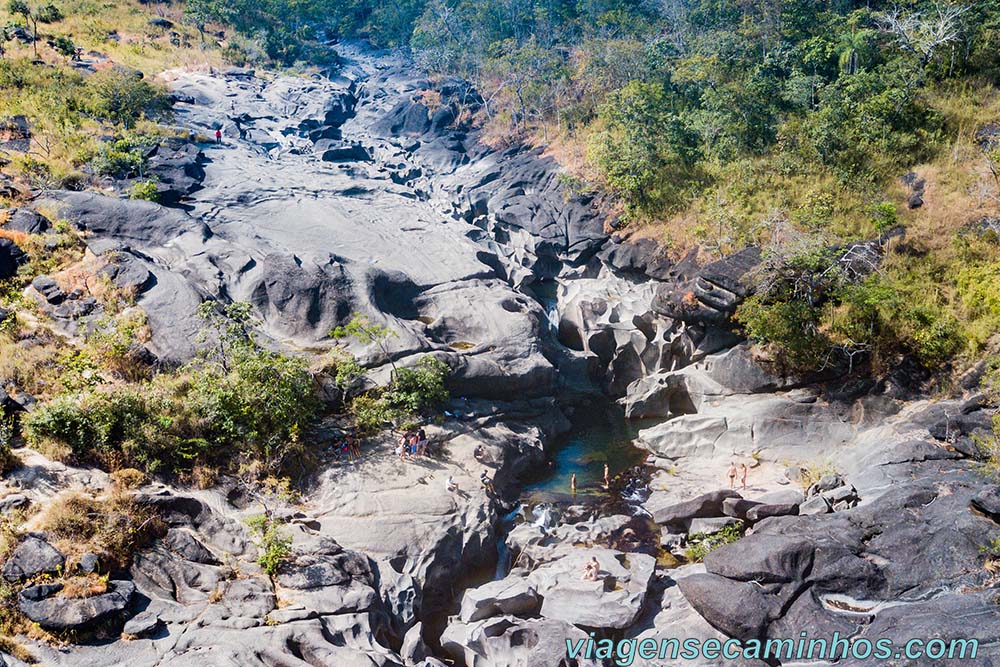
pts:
pixel 33 556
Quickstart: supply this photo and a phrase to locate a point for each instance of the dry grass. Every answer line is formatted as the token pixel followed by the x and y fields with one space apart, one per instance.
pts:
pixel 83 586
pixel 29 361
pixel 113 526
pixel 127 479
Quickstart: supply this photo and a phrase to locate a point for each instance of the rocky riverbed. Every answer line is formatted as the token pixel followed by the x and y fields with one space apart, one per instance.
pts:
pixel 364 190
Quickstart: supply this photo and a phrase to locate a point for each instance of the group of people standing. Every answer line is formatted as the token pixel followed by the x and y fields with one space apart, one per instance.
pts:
pixel 741 472
pixel 412 443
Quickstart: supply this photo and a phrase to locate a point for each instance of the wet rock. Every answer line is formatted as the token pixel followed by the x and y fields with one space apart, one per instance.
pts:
pixel 33 556
pixel 43 606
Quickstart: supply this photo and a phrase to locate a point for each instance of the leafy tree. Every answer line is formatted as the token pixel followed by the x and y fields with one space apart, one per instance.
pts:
pixel 361 328
pixel 646 151
pixel 33 15
pixel 122 96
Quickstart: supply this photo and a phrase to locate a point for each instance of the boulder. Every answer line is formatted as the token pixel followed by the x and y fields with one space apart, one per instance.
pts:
pixel 43 606
pixel 187 546
pixel 737 609
pixel 738 507
pixel 33 556
pixel 142 624
pixel 763 558
pixel 27 221
pixel 414 650
pixel 825 483
pixel 331 150
pixel 509 641
pixel 987 501
pixel 613 601
pixel 49 290
pixel 88 563
pixel 704 506
pixel 761 512
pixel 11 258
pixel 710 525
pixel 815 505
pixel 511 596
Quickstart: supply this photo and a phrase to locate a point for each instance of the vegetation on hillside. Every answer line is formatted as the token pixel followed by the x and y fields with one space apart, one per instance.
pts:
pixel 781 124
pixel 89 76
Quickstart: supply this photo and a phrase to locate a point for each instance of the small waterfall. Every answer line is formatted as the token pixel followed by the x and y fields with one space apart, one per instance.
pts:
pixel 503 551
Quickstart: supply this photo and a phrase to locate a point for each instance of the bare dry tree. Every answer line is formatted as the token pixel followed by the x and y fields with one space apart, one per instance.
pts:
pixel 923 34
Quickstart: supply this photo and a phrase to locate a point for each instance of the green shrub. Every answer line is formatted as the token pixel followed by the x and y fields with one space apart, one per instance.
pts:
pixel 413 393
pixel 700 545
pixel 123 96
pixel 251 402
pixel 273 544
pixel 122 158
pixel 145 190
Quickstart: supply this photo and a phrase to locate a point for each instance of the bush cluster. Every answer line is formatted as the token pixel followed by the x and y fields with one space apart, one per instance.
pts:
pixel 242 401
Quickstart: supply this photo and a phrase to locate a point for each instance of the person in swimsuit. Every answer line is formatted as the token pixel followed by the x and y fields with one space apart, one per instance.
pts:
pixel 591 569
pixel 732 475
pixel 743 475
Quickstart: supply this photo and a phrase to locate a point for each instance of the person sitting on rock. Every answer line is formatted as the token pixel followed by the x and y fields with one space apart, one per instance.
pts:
pixel 451 485
pixel 484 477
pixel 591 569
pixel 732 475
pixel 353 447
pixel 743 475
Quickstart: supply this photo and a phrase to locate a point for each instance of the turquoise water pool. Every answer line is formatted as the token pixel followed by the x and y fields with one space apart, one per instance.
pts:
pixel 599 435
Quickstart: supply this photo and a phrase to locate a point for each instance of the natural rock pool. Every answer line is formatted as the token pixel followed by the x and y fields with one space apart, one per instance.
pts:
pixel 599 434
